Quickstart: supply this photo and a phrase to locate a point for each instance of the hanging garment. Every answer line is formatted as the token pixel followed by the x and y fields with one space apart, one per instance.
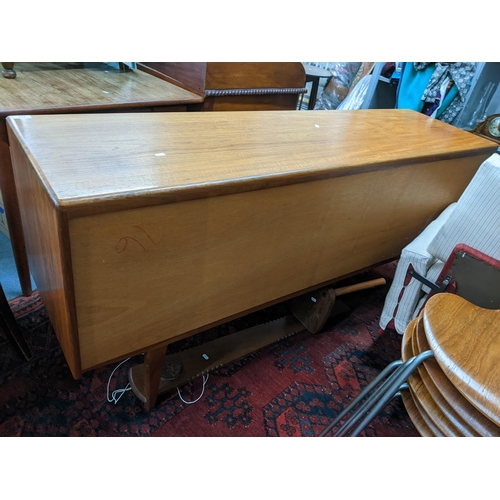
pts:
pixel 432 108
pixel 460 73
pixel 422 85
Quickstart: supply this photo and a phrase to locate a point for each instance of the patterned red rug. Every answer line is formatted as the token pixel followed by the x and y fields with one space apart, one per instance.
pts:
pixel 292 388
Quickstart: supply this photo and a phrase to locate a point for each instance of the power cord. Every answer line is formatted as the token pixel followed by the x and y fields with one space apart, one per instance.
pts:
pixel 118 393
pixel 202 391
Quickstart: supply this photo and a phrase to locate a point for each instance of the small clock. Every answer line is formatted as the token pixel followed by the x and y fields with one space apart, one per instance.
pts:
pixel 490 128
pixel 494 127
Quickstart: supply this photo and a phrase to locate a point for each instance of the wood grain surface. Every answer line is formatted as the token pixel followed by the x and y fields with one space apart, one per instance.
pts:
pixel 167 223
pixel 430 413
pixel 406 344
pixel 436 431
pixel 422 421
pixel 416 417
pixel 420 392
pixel 49 256
pixel 463 412
pixel 190 75
pixel 170 157
pixel 63 87
pixel 223 75
pixel 13 213
pixel 202 76
pixel 254 86
pixel 466 343
pixel 450 413
pixel 44 88
pixel 422 395
pixel 168 269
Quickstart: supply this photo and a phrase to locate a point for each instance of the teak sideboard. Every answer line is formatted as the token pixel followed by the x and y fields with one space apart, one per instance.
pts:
pixel 145 228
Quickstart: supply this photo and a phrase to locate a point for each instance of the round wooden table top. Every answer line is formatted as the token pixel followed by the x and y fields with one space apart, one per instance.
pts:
pixel 315 71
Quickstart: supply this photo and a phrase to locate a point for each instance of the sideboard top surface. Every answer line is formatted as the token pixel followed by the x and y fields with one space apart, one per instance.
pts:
pixel 96 162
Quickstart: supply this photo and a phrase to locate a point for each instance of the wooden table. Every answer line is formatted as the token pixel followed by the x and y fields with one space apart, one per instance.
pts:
pixel 142 229
pixel 237 86
pixel 45 88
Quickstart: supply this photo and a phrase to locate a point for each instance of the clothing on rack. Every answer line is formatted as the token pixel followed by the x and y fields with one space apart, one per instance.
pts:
pixel 436 89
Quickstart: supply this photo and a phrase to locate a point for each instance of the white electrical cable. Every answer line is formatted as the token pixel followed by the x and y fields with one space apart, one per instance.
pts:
pixel 118 392
pixel 202 391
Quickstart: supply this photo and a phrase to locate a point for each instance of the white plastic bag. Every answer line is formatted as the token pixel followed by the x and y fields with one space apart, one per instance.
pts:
pixel 338 86
pixel 355 99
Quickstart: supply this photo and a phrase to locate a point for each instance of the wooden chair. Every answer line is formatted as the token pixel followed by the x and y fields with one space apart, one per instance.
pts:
pixel 466 344
pixel 448 375
pixel 432 374
pixel 459 389
pixel 9 325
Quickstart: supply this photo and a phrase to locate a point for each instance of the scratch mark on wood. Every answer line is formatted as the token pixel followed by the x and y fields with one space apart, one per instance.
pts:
pixel 151 239
pixel 125 239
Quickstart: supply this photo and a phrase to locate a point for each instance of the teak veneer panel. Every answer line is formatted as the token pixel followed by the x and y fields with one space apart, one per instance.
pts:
pixel 49 255
pixel 171 222
pixel 301 235
pixel 466 343
pixel 165 158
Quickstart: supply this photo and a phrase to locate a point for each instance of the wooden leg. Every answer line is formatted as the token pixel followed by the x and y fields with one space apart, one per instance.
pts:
pixel 153 364
pixel 13 216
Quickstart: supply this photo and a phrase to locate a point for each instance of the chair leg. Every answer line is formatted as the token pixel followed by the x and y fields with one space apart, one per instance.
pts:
pixel 359 398
pixel 9 325
pixel 392 379
pixel 395 386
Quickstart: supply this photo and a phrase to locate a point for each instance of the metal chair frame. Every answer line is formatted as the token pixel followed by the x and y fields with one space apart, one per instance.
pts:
pixel 378 393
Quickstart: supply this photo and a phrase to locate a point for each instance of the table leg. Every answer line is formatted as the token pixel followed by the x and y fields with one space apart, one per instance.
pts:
pixel 314 93
pixel 13 216
pixel 153 363
pixel 8 70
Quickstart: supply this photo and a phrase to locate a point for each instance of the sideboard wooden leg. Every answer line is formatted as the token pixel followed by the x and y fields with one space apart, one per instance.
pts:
pixel 153 364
